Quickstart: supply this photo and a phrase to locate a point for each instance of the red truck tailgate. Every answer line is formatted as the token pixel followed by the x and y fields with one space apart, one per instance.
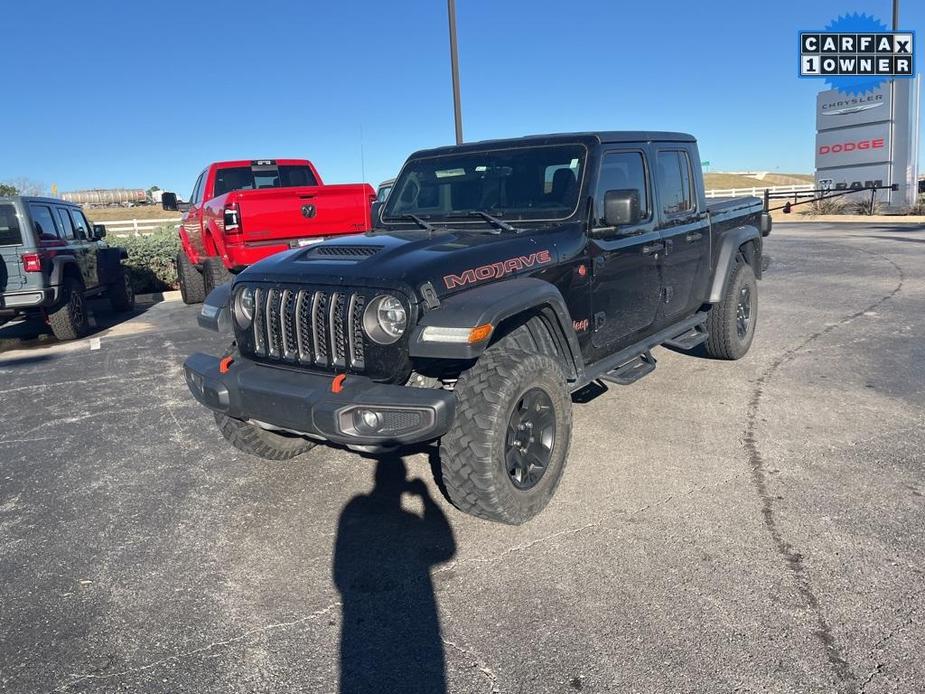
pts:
pixel 291 213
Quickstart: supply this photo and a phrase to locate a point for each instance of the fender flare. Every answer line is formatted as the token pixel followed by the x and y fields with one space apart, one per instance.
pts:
pixel 494 303
pixel 58 265
pixel 730 243
pixel 186 247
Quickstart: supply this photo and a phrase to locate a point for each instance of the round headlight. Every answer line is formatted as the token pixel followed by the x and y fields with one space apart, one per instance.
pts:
pixel 385 319
pixel 244 307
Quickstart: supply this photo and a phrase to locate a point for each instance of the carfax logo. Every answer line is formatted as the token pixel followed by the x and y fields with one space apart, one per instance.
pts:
pixel 856 53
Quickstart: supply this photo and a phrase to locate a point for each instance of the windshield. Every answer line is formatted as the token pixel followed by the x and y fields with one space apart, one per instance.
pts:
pixel 255 177
pixel 535 183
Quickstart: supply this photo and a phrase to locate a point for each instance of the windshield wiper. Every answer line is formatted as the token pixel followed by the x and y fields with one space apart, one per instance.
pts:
pixel 420 222
pixel 499 223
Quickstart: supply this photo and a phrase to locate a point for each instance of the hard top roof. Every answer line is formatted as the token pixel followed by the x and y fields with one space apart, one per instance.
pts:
pixel 596 137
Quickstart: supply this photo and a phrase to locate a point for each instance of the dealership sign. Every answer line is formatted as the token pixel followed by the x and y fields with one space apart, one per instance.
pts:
pixel 867 124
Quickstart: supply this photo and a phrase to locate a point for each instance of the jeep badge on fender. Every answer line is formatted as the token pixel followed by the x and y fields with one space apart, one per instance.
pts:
pixel 499 278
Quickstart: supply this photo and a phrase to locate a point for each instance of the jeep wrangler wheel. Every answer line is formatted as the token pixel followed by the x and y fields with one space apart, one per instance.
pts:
pixel 214 273
pixel 504 455
pixel 122 293
pixel 70 321
pixel 192 284
pixel 253 440
pixel 731 322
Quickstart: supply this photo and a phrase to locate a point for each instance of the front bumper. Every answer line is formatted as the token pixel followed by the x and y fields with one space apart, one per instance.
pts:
pixel 305 403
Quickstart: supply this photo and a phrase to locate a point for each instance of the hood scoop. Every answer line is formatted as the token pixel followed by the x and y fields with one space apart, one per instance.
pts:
pixel 341 252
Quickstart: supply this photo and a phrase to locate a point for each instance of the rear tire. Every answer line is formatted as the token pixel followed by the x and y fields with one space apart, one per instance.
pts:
pixel 192 284
pixel 122 293
pixel 731 322
pixel 513 411
pixel 214 273
pixel 69 321
pixel 253 440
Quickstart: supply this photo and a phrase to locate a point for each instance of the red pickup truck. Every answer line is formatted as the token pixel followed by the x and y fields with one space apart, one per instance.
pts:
pixel 243 211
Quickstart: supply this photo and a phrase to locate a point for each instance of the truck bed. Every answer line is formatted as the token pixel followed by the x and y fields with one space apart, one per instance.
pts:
pixel 722 207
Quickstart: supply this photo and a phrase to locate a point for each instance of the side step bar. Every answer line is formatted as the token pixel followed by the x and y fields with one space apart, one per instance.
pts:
pixel 685 341
pixel 632 363
pixel 631 371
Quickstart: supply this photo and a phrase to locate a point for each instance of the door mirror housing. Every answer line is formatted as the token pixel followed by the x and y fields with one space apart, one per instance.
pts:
pixel 375 212
pixel 621 208
pixel 99 231
pixel 169 201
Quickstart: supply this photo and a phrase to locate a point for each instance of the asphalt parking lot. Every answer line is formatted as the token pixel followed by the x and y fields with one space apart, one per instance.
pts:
pixel 748 526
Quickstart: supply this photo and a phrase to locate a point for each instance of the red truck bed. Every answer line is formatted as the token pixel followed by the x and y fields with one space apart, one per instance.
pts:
pixel 243 211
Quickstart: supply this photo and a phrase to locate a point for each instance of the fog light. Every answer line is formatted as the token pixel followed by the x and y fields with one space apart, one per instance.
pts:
pixel 367 421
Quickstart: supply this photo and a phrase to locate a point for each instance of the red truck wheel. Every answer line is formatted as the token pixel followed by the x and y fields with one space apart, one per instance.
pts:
pixel 214 273
pixel 192 285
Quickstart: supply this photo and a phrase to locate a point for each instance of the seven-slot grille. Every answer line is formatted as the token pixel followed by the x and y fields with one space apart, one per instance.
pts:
pixel 311 327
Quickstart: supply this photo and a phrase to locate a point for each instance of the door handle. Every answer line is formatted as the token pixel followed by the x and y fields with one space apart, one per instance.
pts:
pixel 693 236
pixel 652 248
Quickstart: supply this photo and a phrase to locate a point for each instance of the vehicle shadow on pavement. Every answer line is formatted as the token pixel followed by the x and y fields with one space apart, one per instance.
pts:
pixel 383 555
pixel 33 333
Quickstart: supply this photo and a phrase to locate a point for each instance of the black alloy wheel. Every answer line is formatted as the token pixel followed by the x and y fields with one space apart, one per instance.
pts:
pixel 743 312
pixel 531 435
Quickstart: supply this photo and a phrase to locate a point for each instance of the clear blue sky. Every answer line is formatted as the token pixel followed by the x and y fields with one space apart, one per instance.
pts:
pixel 107 94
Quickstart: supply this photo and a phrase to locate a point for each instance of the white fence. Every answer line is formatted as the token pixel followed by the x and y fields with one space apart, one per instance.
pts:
pixel 759 192
pixel 137 227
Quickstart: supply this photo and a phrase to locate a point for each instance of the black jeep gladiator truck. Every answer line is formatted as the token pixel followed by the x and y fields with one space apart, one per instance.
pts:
pixel 501 277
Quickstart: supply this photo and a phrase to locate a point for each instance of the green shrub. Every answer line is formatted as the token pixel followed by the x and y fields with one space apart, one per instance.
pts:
pixel 152 259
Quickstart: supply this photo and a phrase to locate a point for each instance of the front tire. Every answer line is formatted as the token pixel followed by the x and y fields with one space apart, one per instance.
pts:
pixel 505 453
pixel 254 440
pixel 192 285
pixel 731 322
pixel 70 321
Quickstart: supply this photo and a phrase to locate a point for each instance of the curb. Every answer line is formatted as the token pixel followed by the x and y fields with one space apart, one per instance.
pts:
pixel 157 297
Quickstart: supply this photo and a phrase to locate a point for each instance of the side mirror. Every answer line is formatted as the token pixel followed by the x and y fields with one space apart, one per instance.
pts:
pixel 169 201
pixel 375 212
pixel 99 231
pixel 621 208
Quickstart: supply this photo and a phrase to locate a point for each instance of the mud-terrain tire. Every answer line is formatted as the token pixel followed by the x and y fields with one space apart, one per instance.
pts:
pixel 480 457
pixel 214 273
pixel 70 320
pixel 253 440
pixel 192 284
pixel 122 293
pixel 731 323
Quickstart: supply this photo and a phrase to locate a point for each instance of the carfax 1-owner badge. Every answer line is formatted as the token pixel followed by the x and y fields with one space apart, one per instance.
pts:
pixel 856 52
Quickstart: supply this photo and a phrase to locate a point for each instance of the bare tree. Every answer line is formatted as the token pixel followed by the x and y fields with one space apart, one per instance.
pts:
pixel 26 186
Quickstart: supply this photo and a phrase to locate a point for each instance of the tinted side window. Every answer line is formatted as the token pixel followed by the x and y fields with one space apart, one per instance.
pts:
pixel 43 223
pixel 65 220
pixel 10 234
pixel 674 181
pixel 80 224
pixel 621 171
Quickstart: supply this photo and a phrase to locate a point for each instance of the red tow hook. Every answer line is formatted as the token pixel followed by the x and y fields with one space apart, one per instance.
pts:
pixel 225 364
pixel 337 385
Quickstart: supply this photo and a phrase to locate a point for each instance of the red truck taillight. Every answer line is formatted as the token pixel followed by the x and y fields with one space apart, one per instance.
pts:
pixel 31 262
pixel 233 219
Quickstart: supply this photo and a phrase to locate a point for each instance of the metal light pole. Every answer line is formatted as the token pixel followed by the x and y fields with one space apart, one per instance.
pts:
pixel 895 15
pixel 454 63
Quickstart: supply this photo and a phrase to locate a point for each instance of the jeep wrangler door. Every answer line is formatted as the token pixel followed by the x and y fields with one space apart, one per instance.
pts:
pixel 625 259
pixel 685 230
pixel 86 247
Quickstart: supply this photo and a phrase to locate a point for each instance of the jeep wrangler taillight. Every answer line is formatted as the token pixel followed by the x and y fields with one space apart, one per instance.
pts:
pixel 233 219
pixel 31 262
